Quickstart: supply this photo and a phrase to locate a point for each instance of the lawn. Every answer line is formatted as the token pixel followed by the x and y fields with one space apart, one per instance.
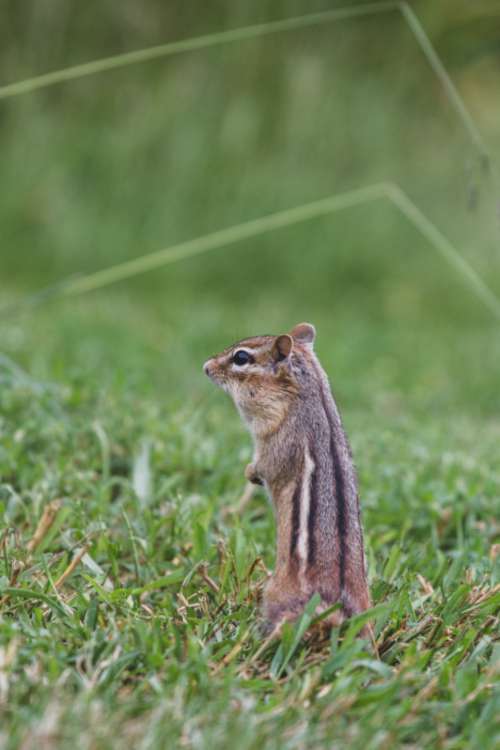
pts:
pixel 129 576
pixel 153 638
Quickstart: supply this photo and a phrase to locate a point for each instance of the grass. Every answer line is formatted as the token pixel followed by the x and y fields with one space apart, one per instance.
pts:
pixel 153 638
pixel 129 587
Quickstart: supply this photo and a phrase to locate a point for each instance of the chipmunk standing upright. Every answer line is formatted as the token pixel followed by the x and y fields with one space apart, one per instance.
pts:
pixel 303 458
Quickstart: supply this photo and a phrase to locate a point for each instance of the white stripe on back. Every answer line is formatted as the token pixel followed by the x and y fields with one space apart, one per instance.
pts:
pixel 305 503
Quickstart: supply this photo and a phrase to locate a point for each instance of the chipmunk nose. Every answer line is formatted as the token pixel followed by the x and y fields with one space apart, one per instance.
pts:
pixel 206 367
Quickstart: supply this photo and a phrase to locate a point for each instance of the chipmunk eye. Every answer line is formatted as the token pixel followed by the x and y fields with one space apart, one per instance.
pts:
pixel 241 357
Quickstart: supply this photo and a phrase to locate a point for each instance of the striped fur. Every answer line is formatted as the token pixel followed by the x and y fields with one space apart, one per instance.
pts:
pixel 311 521
pixel 303 544
pixel 303 457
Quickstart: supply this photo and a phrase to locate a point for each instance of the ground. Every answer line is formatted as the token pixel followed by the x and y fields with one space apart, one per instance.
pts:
pixel 153 638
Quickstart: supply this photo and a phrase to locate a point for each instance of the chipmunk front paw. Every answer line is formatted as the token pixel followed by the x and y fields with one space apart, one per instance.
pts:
pixel 252 476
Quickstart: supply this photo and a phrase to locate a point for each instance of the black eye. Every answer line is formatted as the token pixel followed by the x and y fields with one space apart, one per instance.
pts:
pixel 241 357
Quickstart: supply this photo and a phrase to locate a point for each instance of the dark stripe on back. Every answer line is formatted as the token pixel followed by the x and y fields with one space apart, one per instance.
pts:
pixel 339 481
pixel 295 518
pixel 313 507
pixel 341 514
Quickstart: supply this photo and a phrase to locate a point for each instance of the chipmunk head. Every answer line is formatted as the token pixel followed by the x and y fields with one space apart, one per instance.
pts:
pixel 262 374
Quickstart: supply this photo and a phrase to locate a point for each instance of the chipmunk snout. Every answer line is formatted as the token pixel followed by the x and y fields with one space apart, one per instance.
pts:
pixel 208 367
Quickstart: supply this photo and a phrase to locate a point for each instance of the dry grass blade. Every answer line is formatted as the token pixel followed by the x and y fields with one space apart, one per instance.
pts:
pixel 71 567
pixel 230 656
pixel 44 524
pixel 280 220
pixel 203 571
pixel 189 45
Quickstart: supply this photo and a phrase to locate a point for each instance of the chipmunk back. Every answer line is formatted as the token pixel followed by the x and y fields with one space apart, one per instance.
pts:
pixel 303 458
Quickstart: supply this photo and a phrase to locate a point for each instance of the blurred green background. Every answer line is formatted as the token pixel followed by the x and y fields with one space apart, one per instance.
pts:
pixel 103 403
pixel 113 166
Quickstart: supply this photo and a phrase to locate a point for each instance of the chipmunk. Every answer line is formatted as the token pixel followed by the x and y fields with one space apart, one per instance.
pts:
pixel 303 458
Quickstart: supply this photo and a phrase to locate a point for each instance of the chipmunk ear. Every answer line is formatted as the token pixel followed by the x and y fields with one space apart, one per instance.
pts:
pixel 305 333
pixel 282 346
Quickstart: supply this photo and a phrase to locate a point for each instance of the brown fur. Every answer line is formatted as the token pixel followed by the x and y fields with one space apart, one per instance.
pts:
pixel 303 458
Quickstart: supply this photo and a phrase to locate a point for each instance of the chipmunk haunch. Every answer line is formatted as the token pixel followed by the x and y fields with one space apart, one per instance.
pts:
pixel 303 458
